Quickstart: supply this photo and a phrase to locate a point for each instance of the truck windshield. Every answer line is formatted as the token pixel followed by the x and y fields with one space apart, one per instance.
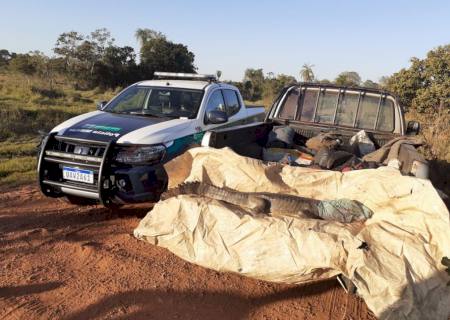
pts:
pixel 157 102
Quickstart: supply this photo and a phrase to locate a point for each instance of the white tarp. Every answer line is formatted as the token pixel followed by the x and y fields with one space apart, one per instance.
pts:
pixel 393 258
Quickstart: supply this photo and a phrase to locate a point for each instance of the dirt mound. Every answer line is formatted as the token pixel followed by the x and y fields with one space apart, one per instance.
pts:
pixel 61 261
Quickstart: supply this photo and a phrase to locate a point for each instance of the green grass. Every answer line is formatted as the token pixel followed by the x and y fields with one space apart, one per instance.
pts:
pixel 29 106
pixel 17 170
pixel 12 149
pixel 19 178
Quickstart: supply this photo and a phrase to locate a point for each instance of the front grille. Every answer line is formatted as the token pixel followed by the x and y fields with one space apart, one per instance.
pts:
pixel 59 152
pixel 75 147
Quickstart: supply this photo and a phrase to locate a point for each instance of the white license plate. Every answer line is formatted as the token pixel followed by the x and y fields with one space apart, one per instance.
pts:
pixel 80 175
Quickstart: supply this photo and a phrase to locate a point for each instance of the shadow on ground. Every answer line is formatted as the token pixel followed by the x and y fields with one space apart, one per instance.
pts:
pixel 167 304
pixel 23 290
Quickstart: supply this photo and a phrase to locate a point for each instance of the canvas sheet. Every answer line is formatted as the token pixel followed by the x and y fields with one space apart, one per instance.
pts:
pixel 394 258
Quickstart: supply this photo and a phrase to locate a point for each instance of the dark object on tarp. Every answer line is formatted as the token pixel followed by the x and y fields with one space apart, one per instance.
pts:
pixel 329 140
pixel 342 210
pixel 355 163
pixel 401 153
pixel 281 137
pixel 287 156
pixel 329 158
pixel 362 144
pixel 391 150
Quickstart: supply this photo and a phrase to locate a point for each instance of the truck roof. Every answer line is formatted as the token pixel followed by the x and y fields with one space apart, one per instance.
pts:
pixel 185 84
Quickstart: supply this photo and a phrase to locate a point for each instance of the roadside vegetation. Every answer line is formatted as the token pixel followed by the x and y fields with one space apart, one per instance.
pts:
pixel 37 91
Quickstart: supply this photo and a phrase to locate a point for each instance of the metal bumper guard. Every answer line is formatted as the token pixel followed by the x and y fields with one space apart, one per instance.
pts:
pixel 49 181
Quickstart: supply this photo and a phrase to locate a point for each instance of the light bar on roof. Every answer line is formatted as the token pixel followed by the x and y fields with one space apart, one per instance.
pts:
pixel 178 75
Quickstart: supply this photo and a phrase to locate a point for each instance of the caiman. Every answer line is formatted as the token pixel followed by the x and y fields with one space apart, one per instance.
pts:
pixel 342 210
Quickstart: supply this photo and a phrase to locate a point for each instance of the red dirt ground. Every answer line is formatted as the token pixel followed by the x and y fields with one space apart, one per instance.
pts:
pixel 58 261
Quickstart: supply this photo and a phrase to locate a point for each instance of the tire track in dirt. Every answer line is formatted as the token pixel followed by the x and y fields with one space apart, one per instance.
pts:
pixel 65 262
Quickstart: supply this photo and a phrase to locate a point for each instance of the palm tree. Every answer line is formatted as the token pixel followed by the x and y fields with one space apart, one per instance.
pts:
pixel 306 73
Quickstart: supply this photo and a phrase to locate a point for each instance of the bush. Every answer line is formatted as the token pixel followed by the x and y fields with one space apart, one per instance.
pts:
pixel 48 93
pixel 425 85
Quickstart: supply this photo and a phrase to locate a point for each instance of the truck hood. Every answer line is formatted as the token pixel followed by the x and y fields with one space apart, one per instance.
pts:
pixel 104 126
pixel 107 126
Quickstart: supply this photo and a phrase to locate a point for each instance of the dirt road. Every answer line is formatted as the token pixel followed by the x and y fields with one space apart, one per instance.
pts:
pixel 59 261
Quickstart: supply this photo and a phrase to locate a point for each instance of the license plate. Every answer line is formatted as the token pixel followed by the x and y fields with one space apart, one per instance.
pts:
pixel 79 175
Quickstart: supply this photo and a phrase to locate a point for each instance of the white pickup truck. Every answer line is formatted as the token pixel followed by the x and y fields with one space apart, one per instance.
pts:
pixel 115 155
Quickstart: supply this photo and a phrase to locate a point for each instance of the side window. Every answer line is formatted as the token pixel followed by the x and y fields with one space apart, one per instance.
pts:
pixel 216 102
pixel 231 102
pixel 386 116
pixel 308 103
pixel 368 109
pixel 290 105
pixel 347 108
pixel 326 106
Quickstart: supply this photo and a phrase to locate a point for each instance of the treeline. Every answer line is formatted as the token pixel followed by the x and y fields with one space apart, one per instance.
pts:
pixel 89 61
pixel 423 87
pixel 94 60
pixel 257 85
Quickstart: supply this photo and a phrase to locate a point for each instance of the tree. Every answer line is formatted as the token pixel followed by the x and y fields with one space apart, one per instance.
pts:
pixel 425 85
pixel 66 46
pixel 5 57
pixel 117 68
pixel 218 74
pixel 145 35
pixel 24 63
pixel 102 39
pixel 160 54
pixel 306 73
pixel 253 84
pixel 370 84
pixel 272 86
pixel 82 53
pixel 348 79
pixel 36 63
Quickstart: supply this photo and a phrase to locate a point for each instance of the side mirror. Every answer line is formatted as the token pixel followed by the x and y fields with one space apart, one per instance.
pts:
pixel 101 105
pixel 216 117
pixel 413 128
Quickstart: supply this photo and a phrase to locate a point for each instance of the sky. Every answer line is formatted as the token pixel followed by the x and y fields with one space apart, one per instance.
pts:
pixel 374 38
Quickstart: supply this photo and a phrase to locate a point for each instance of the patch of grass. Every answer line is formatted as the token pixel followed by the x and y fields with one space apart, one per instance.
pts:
pixel 10 149
pixel 17 162
pixel 20 164
pixel 19 178
pixel 49 93
pixel 28 105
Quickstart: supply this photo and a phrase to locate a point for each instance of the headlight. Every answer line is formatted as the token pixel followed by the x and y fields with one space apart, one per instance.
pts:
pixel 140 154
